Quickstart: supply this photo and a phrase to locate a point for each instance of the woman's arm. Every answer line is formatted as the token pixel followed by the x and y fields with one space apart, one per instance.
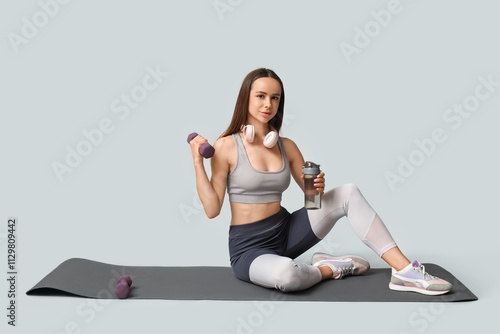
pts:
pixel 296 162
pixel 211 192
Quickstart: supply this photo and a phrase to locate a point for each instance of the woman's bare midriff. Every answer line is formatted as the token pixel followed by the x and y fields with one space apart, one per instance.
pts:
pixel 243 213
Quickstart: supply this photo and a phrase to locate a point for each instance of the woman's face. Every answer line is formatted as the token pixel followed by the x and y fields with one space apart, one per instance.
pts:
pixel 265 96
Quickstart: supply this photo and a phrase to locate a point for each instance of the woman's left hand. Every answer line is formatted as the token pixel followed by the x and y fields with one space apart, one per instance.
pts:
pixel 319 182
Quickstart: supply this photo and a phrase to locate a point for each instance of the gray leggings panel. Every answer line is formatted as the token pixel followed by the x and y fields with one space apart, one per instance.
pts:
pixel 280 272
pixel 347 200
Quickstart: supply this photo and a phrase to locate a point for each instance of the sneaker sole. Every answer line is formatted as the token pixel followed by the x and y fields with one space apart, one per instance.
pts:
pixel 396 287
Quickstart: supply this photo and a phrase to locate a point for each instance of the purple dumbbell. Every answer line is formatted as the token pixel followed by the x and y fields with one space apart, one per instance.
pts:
pixel 123 286
pixel 206 150
pixel 126 278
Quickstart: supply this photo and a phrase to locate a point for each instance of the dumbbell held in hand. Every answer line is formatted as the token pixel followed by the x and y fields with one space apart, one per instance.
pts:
pixel 206 150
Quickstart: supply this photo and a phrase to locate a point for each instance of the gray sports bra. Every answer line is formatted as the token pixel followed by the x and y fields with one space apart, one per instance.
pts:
pixel 245 184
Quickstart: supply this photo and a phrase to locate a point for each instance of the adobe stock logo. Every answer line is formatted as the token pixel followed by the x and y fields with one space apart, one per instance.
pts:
pixel 223 6
pixel 120 106
pixel 454 116
pixel 363 37
pixel 31 28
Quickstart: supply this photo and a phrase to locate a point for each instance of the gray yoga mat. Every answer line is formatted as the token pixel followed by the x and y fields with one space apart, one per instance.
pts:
pixel 86 278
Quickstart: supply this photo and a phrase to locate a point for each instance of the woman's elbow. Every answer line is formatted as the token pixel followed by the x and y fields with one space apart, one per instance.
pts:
pixel 212 214
pixel 213 208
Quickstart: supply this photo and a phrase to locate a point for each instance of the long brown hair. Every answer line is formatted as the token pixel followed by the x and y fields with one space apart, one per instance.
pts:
pixel 241 108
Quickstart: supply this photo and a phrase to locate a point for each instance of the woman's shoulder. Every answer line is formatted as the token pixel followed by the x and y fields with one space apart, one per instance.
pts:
pixel 288 143
pixel 292 151
pixel 224 141
pixel 225 145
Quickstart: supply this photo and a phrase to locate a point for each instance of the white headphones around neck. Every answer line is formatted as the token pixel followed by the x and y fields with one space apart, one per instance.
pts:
pixel 269 141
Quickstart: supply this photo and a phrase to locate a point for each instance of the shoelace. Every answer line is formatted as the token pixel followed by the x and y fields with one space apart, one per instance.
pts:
pixel 426 275
pixel 347 269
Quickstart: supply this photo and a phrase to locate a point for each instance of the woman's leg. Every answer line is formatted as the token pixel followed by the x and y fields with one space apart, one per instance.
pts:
pixel 309 226
pixel 276 268
pixel 281 272
pixel 347 200
pixel 395 258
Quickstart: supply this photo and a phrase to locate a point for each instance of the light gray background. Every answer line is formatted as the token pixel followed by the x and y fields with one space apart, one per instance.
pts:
pixel 127 201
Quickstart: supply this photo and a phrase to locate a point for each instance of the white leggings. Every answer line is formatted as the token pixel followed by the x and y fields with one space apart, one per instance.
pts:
pixel 278 270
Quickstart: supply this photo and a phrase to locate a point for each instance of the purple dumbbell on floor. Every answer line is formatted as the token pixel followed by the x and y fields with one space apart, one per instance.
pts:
pixel 206 150
pixel 123 286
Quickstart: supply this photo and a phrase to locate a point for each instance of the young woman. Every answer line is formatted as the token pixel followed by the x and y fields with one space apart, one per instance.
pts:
pixel 254 163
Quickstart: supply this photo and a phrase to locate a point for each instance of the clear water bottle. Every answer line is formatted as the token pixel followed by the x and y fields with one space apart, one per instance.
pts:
pixel 312 198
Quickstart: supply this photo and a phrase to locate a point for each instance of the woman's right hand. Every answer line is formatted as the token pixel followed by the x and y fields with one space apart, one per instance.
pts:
pixel 195 144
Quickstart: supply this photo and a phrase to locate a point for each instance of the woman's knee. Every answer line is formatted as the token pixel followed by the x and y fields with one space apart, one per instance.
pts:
pixel 293 277
pixel 350 188
pixel 281 272
pixel 342 190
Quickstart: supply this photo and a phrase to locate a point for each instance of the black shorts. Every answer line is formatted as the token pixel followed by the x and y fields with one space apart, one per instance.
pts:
pixel 286 234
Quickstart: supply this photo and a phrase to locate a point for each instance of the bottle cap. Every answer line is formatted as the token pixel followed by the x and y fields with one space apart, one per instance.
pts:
pixel 311 168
